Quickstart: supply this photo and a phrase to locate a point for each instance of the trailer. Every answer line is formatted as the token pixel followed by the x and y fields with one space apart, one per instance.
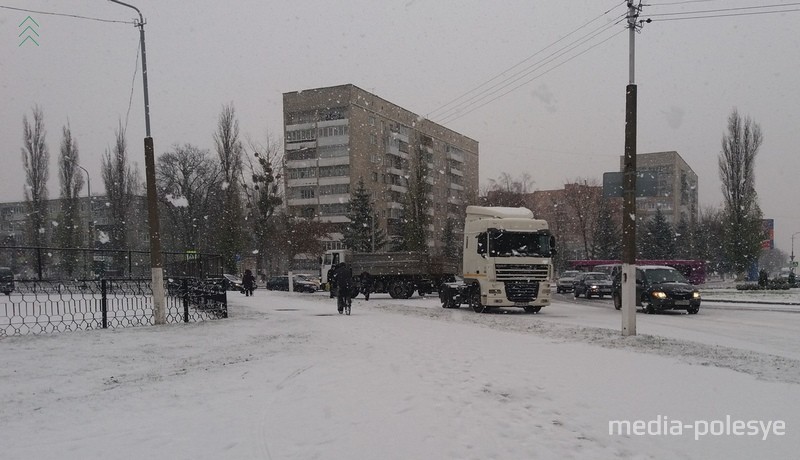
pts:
pixel 399 274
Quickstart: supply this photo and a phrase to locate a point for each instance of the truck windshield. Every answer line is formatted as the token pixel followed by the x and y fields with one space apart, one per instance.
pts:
pixel 504 243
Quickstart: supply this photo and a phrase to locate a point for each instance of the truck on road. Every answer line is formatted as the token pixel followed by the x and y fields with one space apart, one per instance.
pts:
pixel 506 261
pixel 398 273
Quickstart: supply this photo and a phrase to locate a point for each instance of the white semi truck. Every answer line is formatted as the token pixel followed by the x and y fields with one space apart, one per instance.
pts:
pixel 506 261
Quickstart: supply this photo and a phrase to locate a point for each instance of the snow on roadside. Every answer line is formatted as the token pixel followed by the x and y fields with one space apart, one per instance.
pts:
pixel 286 377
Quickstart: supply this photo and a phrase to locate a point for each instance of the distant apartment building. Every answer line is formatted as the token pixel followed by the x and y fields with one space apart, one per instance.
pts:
pixel 676 187
pixel 336 136
pixel 94 219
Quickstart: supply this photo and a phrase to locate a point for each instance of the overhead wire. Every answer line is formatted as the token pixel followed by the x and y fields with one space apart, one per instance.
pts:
pixel 477 89
pixel 479 101
pixel 133 84
pixel 724 12
pixel 74 16
pixel 752 13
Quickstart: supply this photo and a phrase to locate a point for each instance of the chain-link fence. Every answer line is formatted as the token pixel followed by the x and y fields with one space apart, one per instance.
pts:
pixel 41 263
pixel 36 307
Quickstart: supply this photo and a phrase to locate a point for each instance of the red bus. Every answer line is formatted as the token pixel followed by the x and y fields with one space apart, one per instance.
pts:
pixel 693 270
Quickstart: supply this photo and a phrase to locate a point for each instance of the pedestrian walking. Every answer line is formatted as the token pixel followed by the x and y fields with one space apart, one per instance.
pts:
pixel 248 283
pixel 344 285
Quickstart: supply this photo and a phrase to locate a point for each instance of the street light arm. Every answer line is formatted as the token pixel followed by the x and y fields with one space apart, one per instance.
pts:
pixel 141 19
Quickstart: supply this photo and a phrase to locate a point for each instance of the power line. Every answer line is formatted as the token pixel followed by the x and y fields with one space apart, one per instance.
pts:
pixel 720 10
pixel 74 16
pixel 478 87
pixel 752 13
pixel 682 3
pixel 133 83
pixel 459 115
pixel 511 79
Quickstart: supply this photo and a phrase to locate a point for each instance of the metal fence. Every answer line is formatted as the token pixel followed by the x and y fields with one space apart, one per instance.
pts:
pixel 38 307
pixel 45 263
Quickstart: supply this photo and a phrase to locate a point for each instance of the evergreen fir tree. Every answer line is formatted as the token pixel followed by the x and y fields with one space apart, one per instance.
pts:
pixel 658 239
pixel 450 246
pixel 359 232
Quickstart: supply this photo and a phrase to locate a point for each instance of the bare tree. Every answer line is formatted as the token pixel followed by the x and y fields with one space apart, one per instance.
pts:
pixel 36 162
pixel 743 232
pixel 121 184
pixel 71 183
pixel 187 179
pixel 263 194
pixel 229 219
pixel 509 191
pixel 583 199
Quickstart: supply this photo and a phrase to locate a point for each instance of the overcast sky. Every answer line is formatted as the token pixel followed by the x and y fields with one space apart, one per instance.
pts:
pixel 420 54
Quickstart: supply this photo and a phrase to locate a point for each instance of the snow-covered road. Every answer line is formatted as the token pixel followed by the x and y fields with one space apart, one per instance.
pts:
pixel 286 377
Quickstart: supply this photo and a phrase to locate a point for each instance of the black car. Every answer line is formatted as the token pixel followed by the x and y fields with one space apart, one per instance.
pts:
pixel 660 288
pixel 281 283
pixel 234 282
pixel 592 283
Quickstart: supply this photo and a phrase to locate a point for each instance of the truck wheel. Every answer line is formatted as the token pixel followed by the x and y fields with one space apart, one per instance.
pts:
pixel 533 309
pixel 475 300
pixel 397 290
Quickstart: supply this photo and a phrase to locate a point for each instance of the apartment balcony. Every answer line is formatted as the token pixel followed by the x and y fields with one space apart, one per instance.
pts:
pixel 398 188
pixel 456 187
pixel 456 172
pixel 455 157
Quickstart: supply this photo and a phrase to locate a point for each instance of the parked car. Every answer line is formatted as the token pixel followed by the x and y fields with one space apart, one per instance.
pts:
pixel 660 288
pixel 234 282
pixel 564 282
pixel 310 278
pixel 592 283
pixel 281 283
pixel 6 280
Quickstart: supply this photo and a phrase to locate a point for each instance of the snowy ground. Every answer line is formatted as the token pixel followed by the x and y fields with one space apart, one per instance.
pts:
pixel 286 377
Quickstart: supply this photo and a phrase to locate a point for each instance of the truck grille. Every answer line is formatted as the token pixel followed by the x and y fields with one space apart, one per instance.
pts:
pixel 521 272
pixel 522 292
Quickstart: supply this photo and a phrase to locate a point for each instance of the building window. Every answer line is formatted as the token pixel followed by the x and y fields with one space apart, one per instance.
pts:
pixel 301 173
pixel 334 171
pixel 374 177
pixel 372 121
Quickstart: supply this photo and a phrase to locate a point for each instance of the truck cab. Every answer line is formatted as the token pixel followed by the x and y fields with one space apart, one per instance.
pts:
pixel 506 261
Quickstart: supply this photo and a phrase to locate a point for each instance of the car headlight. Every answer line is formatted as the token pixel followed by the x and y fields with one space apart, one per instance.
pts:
pixel 695 295
pixel 594 286
pixel 659 295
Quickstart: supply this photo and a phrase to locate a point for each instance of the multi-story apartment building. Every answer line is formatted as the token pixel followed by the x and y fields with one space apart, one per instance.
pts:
pixel 94 218
pixel 676 187
pixel 336 136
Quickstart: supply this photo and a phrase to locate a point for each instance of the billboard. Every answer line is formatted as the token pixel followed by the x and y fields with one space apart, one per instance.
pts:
pixel 768 229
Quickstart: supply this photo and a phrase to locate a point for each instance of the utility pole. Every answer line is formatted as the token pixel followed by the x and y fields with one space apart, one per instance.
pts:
pixel 156 267
pixel 628 288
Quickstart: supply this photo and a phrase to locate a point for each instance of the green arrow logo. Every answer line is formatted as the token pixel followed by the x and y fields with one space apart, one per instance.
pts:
pixel 29 31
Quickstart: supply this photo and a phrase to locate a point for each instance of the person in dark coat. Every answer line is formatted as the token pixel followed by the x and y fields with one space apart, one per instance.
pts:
pixel 332 280
pixel 366 284
pixel 248 283
pixel 344 285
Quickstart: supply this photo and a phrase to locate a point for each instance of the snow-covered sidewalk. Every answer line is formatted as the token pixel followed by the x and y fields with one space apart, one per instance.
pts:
pixel 286 377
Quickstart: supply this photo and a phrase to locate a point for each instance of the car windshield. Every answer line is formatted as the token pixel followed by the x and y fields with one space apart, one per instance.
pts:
pixel 664 275
pixel 504 243
pixel 597 277
pixel 570 274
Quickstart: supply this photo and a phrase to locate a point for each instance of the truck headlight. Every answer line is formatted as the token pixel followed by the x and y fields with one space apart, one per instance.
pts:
pixel 695 295
pixel 659 295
